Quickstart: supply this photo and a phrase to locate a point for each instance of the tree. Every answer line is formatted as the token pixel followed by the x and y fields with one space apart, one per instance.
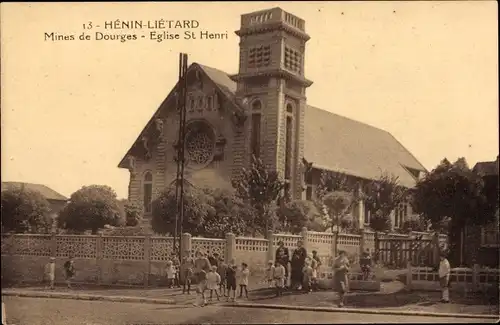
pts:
pixel 382 196
pixel 261 188
pixel 453 193
pixel 338 194
pixel 197 208
pixel 91 208
pixel 297 214
pixel 414 223
pixel 133 212
pixel 230 214
pixel 25 211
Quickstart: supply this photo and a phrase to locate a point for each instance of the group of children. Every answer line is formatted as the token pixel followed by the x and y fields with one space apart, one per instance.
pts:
pixel 50 272
pixel 276 274
pixel 221 280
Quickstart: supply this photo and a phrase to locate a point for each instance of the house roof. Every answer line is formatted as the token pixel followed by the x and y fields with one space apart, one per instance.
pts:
pixel 487 168
pixel 340 144
pixel 46 191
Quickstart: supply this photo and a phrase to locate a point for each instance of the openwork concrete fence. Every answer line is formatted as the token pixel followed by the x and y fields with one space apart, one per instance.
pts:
pixel 140 260
pixel 466 280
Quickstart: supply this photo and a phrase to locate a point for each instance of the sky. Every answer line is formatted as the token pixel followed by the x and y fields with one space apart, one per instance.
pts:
pixel 427 72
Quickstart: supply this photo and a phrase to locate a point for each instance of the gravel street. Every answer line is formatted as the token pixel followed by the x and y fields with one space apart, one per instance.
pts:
pixel 36 311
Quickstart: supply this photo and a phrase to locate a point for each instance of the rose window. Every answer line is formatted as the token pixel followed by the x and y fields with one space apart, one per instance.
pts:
pixel 200 143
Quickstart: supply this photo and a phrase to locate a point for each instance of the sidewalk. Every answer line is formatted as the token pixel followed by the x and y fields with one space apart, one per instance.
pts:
pixel 391 299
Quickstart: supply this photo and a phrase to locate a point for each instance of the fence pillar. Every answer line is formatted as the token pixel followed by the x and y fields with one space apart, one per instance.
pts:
pixel 230 246
pixel 270 246
pixel 409 276
pixel 362 243
pixel 305 243
pixel 335 244
pixel 147 258
pixel 99 257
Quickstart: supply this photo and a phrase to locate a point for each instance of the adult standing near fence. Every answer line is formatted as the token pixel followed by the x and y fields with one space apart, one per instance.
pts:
pixel 298 261
pixel 201 263
pixel 283 258
pixel 444 278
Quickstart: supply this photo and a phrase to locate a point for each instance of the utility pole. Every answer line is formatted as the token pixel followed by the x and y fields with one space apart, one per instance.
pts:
pixel 181 93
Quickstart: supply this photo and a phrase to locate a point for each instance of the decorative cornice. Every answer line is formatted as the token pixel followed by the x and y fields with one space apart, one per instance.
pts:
pixel 270 27
pixel 279 73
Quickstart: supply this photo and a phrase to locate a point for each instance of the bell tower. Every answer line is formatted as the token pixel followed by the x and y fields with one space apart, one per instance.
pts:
pixel 271 82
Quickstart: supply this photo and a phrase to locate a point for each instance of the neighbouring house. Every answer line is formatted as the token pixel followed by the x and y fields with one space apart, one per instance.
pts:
pixel 262 110
pixel 56 200
pixel 483 243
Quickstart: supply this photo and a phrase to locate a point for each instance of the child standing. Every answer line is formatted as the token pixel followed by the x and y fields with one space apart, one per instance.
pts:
pixel 222 270
pixel 170 271
pixel 202 286
pixel 50 272
pixel 315 264
pixel 270 274
pixel 231 280
pixel 69 270
pixel 307 276
pixel 279 278
pixel 213 282
pixel 243 279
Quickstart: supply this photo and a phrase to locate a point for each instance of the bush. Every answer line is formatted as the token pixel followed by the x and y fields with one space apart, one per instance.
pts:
pixel 25 211
pixel 133 212
pixel 91 208
pixel 208 213
pixel 298 214
pixel 197 207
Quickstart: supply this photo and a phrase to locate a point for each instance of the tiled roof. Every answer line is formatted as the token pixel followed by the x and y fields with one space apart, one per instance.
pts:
pixel 337 143
pixel 47 192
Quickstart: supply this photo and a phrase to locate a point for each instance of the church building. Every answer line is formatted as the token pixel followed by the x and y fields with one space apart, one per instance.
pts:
pixel 262 110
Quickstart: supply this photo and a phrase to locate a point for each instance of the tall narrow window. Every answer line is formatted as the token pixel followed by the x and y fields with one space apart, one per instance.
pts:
pixel 256 120
pixel 210 103
pixel 288 141
pixel 367 215
pixel 148 192
pixel 309 193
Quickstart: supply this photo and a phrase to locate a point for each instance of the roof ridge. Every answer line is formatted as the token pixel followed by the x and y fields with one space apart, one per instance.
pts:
pixel 348 118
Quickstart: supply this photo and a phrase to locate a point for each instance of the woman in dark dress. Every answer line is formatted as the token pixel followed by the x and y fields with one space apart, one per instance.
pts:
pixel 298 261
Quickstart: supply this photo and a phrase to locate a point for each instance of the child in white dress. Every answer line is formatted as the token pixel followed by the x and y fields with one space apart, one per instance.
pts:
pixel 171 271
pixel 213 282
pixel 279 278
pixel 243 279
pixel 270 274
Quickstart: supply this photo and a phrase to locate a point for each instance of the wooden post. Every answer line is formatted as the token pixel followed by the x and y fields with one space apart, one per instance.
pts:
pixel 53 245
pixel 475 277
pixel 409 276
pixel 99 257
pixel 147 258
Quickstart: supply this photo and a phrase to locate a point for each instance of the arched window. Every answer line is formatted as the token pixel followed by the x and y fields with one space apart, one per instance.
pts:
pixel 256 120
pixel 148 192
